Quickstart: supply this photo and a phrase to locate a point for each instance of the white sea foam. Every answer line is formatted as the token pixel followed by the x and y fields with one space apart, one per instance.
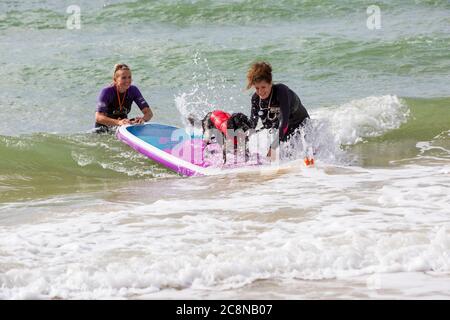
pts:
pixel 369 117
pixel 436 147
pixel 311 224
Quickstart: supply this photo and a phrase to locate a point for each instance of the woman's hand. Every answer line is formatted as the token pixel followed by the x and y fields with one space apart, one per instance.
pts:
pixel 272 154
pixel 138 120
pixel 122 122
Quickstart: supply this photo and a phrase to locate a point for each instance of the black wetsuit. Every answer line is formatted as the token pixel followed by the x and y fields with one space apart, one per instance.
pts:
pixel 285 112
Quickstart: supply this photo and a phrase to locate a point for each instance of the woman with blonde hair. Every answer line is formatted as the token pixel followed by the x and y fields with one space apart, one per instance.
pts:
pixel 114 102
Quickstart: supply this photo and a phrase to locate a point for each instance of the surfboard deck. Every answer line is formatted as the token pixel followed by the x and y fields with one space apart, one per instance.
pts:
pixel 178 149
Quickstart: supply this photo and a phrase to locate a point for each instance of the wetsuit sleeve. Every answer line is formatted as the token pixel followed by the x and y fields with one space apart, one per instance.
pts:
pixel 285 102
pixel 139 99
pixel 103 100
pixel 254 113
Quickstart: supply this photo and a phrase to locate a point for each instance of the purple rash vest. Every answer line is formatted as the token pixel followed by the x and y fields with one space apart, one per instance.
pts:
pixel 108 103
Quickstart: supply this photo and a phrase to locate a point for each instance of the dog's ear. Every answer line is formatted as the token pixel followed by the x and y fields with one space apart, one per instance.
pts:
pixel 192 119
pixel 206 122
pixel 247 123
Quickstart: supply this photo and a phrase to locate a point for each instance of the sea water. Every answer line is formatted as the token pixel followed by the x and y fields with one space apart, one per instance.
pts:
pixel 83 216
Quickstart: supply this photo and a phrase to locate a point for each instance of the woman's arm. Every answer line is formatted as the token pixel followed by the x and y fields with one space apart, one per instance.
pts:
pixel 102 118
pixel 285 109
pixel 148 114
pixel 143 105
pixel 254 113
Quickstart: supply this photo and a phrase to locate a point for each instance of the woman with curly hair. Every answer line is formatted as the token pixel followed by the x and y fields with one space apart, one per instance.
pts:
pixel 276 105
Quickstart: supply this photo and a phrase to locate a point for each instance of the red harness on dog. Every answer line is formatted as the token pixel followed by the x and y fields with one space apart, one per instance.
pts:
pixel 220 119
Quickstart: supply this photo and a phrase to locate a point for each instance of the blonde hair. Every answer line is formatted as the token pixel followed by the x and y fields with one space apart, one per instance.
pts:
pixel 120 66
pixel 259 71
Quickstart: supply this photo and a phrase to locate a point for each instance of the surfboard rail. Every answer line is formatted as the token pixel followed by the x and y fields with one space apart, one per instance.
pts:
pixel 168 160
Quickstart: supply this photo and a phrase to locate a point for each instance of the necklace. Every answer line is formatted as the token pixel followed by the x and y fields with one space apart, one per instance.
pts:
pixel 118 98
pixel 260 112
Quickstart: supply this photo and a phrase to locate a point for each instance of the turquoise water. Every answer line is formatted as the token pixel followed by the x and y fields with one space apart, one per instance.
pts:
pixel 379 100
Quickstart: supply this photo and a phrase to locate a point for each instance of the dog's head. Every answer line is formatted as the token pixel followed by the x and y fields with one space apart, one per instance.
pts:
pixel 208 128
pixel 206 124
pixel 239 121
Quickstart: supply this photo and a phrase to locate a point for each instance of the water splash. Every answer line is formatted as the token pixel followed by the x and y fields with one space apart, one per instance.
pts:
pixel 210 91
